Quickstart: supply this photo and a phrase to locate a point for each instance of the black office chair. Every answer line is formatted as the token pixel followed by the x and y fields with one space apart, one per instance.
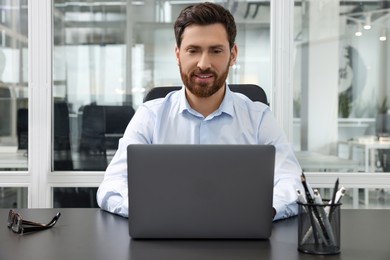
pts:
pixel 92 141
pixel 61 138
pixel 101 129
pixel 252 91
pixel 61 146
pixel 117 119
pixel 61 127
pixel 93 128
pixel 22 128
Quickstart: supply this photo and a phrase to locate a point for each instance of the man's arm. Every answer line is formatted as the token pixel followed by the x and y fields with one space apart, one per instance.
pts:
pixel 112 194
pixel 287 168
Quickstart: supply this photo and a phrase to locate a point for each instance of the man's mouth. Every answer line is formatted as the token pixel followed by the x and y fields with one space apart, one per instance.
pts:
pixel 204 76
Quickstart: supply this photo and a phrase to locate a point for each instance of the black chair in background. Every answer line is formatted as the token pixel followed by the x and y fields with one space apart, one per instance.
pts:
pixel 101 129
pixel 61 127
pixel 61 138
pixel 22 128
pixel 252 91
pixel 93 129
pixel 92 141
pixel 117 119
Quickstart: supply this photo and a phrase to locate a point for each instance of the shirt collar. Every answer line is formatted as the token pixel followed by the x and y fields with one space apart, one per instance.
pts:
pixel 226 106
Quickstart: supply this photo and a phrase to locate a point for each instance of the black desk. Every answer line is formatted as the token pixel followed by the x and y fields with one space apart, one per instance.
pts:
pixel 95 234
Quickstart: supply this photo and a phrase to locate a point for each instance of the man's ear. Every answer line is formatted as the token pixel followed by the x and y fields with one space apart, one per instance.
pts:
pixel 177 54
pixel 233 55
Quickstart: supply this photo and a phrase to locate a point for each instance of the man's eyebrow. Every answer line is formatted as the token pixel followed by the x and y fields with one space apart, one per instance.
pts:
pixel 192 46
pixel 208 47
pixel 217 46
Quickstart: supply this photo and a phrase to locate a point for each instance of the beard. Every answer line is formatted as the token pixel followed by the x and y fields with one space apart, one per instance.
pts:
pixel 203 90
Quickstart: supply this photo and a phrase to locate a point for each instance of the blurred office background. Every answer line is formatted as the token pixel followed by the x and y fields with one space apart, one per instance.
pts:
pixel 72 74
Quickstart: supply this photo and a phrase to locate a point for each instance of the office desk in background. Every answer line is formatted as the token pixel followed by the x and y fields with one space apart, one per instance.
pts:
pixel 368 148
pixel 312 161
pixel 95 234
pixel 14 160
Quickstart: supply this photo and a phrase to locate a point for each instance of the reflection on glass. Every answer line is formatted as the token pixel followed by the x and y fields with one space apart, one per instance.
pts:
pixel 341 86
pixel 89 76
pixel 11 197
pixel 107 55
pixel 13 85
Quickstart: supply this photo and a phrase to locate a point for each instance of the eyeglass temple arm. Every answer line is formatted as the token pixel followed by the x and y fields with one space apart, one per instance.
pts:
pixel 39 225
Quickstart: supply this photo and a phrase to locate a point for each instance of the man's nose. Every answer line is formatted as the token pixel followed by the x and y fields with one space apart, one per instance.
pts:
pixel 204 62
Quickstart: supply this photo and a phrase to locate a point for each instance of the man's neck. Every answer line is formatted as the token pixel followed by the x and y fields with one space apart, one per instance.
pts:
pixel 207 105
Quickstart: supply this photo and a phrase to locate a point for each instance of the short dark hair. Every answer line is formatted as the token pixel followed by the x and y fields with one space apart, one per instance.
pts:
pixel 205 14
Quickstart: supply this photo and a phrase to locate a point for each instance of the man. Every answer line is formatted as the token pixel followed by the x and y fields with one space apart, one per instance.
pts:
pixel 204 111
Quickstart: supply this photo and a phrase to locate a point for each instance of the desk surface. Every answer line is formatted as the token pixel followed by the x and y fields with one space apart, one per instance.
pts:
pixel 95 234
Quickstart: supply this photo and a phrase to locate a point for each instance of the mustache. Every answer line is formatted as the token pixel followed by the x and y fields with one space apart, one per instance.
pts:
pixel 207 71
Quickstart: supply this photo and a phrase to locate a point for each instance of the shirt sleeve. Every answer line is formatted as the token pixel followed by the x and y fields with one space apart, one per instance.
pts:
pixel 287 168
pixel 112 194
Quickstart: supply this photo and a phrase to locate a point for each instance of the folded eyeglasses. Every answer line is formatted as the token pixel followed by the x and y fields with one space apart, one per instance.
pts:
pixel 18 225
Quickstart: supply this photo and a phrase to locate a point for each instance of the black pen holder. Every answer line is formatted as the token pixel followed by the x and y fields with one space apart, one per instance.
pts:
pixel 319 228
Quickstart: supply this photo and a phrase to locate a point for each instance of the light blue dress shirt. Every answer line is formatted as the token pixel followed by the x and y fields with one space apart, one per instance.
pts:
pixel 171 120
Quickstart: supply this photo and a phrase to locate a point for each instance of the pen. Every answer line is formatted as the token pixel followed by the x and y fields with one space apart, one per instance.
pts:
pixel 324 217
pixel 315 226
pixel 336 186
pixel 308 191
pixel 301 198
pixel 313 211
pixel 340 194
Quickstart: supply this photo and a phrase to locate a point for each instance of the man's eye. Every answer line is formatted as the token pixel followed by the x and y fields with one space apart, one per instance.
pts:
pixel 191 51
pixel 217 51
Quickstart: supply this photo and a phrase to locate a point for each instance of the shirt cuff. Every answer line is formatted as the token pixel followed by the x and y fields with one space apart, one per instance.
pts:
pixel 285 211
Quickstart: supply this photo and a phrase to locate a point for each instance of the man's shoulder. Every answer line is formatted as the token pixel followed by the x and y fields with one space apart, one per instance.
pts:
pixel 241 101
pixel 157 104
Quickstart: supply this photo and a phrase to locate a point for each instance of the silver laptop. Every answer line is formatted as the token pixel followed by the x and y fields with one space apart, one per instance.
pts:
pixel 200 191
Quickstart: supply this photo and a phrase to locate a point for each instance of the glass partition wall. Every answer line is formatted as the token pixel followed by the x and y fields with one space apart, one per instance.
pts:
pixel 90 64
pixel 13 99
pixel 341 54
pixel 107 55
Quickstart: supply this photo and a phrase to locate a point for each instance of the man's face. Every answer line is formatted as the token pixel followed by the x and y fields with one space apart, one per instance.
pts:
pixel 204 58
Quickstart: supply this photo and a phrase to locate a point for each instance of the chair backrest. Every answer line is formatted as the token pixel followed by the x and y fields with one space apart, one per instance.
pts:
pixel 93 129
pixel 22 128
pixel 102 126
pixel 117 118
pixel 61 127
pixel 252 91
